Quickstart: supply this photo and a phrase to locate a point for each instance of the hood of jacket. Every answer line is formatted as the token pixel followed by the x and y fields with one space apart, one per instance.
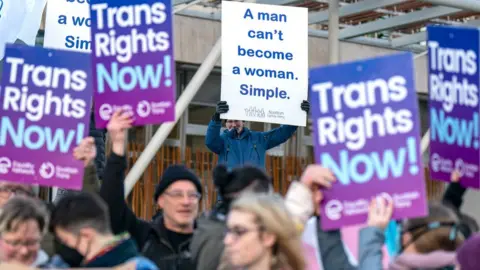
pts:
pixel 433 260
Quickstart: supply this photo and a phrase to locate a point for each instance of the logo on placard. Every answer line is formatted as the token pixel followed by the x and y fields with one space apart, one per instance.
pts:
pixel 276 114
pixel 143 109
pixel 5 165
pixel 105 111
pixel 334 209
pixel 386 197
pixel 1 7
pixel 254 112
pixel 47 170
pixel 435 162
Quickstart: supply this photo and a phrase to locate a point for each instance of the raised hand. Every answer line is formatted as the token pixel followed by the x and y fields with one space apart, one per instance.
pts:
pixel 305 106
pixel 222 107
pixel 117 130
pixel 86 151
pixel 379 213
pixel 455 176
pixel 316 175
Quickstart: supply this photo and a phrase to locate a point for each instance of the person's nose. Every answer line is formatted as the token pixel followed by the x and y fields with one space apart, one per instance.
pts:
pixel 228 239
pixel 23 250
pixel 186 200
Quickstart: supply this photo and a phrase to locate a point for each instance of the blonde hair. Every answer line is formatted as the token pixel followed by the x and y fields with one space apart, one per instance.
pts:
pixel 272 215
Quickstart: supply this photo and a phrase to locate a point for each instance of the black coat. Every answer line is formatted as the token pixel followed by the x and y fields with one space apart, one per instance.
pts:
pixel 100 136
pixel 151 237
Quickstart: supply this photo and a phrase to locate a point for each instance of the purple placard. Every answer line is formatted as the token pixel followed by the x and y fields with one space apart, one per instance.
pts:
pixel 45 112
pixel 453 98
pixel 133 60
pixel 366 130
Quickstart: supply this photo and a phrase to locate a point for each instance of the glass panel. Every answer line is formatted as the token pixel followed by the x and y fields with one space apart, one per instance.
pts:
pixel 256 126
pixel 200 115
pixel 209 91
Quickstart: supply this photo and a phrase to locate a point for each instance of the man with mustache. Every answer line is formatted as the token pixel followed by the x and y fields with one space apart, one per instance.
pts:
pixel 238 145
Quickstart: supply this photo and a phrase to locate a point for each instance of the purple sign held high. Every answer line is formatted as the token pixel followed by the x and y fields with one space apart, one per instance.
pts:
pixel 45 113
pixel 133 61
pixel 453 89
pixel 366 130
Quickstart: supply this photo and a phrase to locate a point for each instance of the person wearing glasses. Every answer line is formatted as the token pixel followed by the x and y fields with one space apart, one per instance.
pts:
pixel 23 223
pixel 166 239
pixel 261 234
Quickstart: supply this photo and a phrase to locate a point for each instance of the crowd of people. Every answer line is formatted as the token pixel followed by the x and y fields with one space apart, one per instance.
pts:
pixel 250 227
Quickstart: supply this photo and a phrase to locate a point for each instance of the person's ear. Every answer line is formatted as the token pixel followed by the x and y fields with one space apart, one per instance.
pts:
pixel 88 233
pixel 160 202
pixel 268 239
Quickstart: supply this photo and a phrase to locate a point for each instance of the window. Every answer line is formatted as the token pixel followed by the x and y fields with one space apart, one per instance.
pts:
pixel 199 114
pixel 256 126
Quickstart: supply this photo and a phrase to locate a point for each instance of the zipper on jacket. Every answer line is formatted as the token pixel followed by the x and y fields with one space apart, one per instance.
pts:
pixel 166 243
pixel 226 155
pixel 241 152
pixel 256 151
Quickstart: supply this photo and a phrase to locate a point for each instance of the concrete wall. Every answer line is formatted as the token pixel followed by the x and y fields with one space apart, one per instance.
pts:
pixel 194 38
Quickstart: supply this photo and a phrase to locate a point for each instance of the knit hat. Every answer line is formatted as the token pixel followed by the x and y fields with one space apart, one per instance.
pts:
pixel 467 255
pixel 176 173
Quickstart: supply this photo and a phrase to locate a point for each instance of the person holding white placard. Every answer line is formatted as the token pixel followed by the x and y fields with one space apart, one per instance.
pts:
pixel 240 145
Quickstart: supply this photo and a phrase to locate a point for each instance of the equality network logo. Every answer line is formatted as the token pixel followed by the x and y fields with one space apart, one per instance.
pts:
pixel 5 163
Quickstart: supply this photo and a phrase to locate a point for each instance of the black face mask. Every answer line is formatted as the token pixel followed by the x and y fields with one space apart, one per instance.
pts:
pixel 71 256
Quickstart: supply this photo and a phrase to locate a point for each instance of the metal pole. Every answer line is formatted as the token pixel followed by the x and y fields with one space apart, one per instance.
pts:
pixel 473 5
pixel 178 9
pixel 182 104
pixel 333 32
pixel 425 142
pixel 426 138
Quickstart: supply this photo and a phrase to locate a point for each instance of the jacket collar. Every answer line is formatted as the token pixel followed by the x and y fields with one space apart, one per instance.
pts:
pixel 161 231
pixel 118 253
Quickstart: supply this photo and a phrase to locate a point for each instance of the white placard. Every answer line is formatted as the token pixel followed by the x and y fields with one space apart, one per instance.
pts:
pixel 67 25
pixel 19 19
pixel 264 62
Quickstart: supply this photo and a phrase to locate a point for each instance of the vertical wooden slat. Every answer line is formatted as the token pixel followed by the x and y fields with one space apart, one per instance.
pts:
pixel 283 170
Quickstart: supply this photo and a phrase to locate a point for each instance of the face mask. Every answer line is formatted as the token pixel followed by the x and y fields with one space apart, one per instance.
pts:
pixel 69 255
